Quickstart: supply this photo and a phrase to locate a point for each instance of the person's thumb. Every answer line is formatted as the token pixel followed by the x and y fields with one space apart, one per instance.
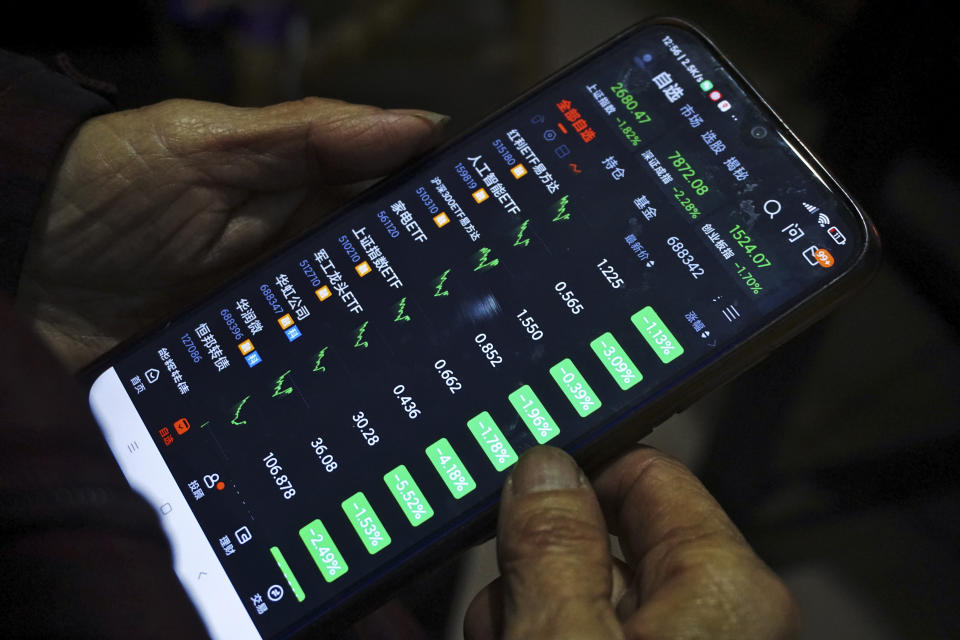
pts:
pixel 553 547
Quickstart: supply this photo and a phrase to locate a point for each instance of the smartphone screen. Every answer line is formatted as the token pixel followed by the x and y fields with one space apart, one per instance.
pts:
pixel 333 413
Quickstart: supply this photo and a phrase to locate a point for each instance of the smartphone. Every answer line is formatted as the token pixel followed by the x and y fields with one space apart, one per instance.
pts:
pixel 587 261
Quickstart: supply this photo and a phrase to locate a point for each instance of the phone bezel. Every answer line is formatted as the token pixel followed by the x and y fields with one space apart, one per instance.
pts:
pixel 624 430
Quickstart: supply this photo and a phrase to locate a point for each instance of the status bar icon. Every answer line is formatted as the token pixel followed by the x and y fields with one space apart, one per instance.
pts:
pixel 837 236
pixel 817 255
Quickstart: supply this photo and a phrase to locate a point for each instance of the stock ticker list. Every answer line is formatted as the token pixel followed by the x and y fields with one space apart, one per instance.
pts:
pixel 345 399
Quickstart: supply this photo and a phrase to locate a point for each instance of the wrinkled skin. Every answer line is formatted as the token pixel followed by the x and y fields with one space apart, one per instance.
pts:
pixel 689 573
pixel 152 208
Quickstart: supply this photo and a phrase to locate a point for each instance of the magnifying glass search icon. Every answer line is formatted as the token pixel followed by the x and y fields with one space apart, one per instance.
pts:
pixel 771 208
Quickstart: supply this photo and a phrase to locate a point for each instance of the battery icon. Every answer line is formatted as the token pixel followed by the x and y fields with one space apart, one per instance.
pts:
pixel 837 236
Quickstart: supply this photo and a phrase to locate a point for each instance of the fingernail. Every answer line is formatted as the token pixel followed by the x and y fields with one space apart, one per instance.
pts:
pixel 545 469
pixel 435 119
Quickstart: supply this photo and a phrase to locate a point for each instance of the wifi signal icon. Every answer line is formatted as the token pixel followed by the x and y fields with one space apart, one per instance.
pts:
pixel 823 220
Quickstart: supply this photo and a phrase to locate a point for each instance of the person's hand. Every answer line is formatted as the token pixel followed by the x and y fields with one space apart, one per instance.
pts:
pixel 689 572
pixel 151 208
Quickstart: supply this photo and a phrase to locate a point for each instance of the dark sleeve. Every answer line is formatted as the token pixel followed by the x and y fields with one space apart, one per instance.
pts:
pixel 81 554
pixel 39 110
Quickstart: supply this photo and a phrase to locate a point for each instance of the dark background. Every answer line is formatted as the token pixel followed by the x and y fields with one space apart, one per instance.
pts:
pixel 839 455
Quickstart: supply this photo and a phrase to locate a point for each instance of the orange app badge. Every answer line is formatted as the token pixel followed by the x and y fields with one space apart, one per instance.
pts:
pixel 182 426
pixel 824 258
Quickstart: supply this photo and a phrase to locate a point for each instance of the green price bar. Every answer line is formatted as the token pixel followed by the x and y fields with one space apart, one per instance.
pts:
pixel 492 441
pixel 323 551
pixel 448 464
pixel 534 414
pixel 575 387
pixel 616 360
pixel 287 573
pixel 365 522
pixel 657 335
pixel 408 495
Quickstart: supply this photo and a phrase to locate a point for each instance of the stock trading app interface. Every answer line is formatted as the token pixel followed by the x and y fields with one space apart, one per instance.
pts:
pixel 370 388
